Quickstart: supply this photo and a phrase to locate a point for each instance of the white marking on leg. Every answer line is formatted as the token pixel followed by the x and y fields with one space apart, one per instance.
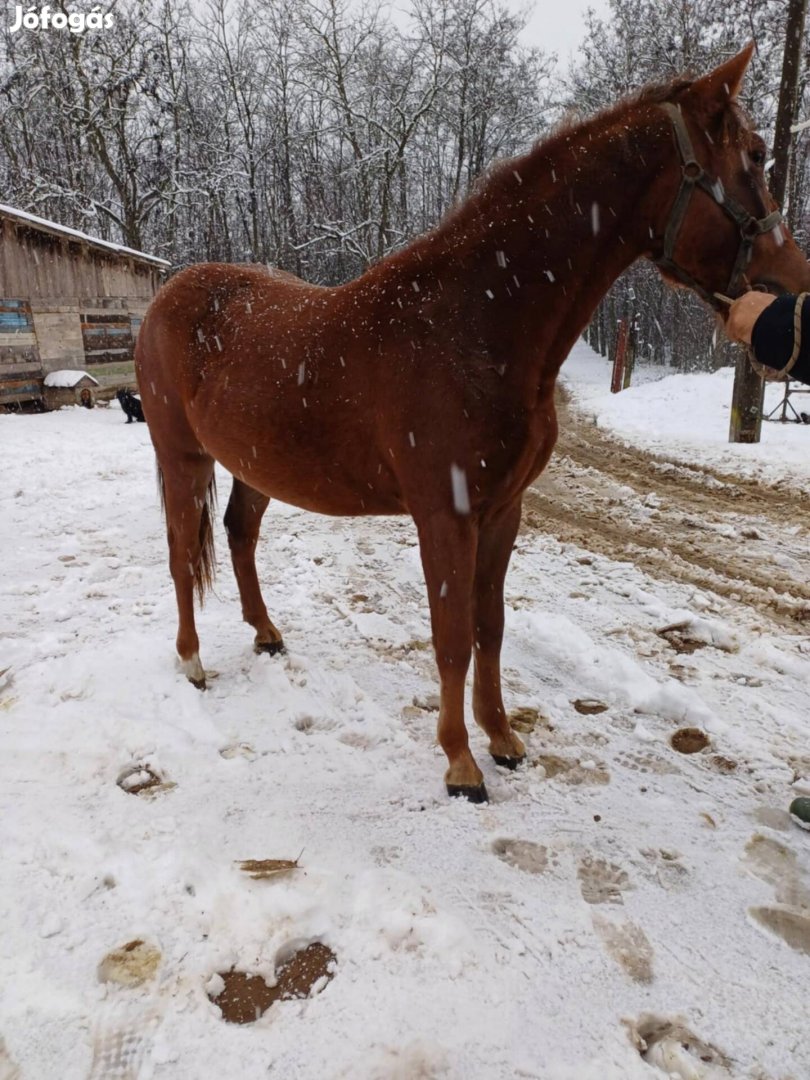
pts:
pixel 192 668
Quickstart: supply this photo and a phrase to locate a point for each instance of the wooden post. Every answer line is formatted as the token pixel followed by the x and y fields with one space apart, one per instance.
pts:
pixel 618 360
pixel 746 402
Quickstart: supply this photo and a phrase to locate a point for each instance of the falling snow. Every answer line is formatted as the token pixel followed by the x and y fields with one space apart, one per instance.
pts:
pixel 461 496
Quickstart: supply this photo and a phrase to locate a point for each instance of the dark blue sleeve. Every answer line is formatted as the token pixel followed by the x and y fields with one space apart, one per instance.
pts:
pixel 772 337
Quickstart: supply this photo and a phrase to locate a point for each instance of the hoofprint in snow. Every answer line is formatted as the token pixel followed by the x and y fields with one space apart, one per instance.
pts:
pixel 613 890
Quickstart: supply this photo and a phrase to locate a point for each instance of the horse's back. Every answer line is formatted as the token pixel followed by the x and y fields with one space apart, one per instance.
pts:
pixel 206 292
pixel 211 317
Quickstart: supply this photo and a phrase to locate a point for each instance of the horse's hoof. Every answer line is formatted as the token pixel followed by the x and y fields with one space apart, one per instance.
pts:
pixel 272 648
pixel 508 762
pixel 474 793
pixel 199 683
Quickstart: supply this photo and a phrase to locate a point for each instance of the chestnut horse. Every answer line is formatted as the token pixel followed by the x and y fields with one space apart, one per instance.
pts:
pixel 426 386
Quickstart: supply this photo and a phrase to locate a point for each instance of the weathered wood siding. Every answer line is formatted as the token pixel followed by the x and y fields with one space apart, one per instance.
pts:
pixel 38 264
pixel 107 337
pixel 59 335
pixel 20 363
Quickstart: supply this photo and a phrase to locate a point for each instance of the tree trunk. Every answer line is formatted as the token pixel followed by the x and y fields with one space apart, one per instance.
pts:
pixel 746 403
pixel 788 98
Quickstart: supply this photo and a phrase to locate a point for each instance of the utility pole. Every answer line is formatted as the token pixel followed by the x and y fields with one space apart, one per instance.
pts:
pixel 749 388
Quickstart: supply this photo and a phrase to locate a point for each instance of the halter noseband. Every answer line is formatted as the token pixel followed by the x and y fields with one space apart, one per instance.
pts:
pixel 693 175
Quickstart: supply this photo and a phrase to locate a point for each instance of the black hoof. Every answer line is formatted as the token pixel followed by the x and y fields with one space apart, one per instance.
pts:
pixel 508 762
pixel 474 793
pixel 272 648
pixel 199 683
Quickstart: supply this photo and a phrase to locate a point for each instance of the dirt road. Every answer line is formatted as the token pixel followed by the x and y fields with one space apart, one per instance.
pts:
pixel 736 538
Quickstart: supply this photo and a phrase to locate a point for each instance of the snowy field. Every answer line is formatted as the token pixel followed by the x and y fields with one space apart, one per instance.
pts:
pixel 612 886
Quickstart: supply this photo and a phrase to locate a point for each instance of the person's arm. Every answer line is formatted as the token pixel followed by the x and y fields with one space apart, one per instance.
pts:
pixel 766 323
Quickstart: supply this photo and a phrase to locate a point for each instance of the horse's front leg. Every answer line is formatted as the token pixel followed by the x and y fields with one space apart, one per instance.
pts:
pixel 495 542
pixel 448 546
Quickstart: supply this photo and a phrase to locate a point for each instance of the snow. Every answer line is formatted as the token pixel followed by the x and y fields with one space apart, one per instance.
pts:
pixel 66 377
pixel 686 419
pixel 526 938
pixel 53 226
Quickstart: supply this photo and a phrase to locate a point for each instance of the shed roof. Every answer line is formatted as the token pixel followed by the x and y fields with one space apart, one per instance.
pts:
pixel 63 230
pixel 66 378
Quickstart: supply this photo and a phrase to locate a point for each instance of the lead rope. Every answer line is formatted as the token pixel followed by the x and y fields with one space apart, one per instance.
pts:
pixel 769 374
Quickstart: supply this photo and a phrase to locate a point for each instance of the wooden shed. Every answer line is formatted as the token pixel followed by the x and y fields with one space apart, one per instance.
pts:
pixel 67 301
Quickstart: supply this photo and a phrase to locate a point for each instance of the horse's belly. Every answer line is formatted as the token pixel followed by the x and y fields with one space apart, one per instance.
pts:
pixel 323 497
pixel 301 476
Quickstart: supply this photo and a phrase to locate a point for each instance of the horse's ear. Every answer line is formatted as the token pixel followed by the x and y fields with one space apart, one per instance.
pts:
pixel 715 90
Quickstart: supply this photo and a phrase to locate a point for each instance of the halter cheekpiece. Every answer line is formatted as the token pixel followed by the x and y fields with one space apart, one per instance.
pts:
pixel 694 175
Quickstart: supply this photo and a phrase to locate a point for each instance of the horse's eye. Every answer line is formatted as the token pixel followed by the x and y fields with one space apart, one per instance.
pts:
pixel 758 157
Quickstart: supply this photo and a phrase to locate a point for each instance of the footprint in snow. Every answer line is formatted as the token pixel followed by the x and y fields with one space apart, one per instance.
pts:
pixel 585 771
pixel 601 882
pixel 141 779
pixel 628 945
pixel 777 865
pixel 791 926
pixel 773 817
pixel 666 867
pixel 671 1047
pixel 122 1042
pixel 643 762
pixel 524 855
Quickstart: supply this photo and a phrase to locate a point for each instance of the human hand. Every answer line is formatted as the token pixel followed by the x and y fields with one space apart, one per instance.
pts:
pixel 744 312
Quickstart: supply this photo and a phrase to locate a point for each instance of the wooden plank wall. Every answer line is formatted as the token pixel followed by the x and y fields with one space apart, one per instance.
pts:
pixel 59 335
pixel 36 263
pixel 107 337
pixel 20 361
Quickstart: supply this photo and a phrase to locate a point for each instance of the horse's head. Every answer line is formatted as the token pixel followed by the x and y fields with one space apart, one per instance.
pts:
pixel 719 229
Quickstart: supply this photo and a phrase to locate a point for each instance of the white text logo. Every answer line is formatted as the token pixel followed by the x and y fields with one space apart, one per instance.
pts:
pixel 74 21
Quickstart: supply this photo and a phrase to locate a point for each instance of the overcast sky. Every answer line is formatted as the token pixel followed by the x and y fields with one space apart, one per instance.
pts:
pixel 553 25
pixel 557 25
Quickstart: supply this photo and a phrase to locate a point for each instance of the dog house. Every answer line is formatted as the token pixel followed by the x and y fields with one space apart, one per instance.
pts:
pixel 69 387
pixel 67 301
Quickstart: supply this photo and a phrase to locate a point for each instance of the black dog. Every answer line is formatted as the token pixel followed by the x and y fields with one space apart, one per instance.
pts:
pixel 131 405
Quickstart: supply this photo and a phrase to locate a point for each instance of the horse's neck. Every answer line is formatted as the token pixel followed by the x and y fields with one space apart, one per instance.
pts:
pixel 544 241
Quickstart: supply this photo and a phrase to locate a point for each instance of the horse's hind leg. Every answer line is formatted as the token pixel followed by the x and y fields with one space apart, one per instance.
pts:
pixel 187 488
pixel 447 546
pixel 495 541
pixel 243 519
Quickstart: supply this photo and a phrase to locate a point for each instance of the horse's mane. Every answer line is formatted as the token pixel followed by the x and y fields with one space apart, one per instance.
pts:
pixel 733 124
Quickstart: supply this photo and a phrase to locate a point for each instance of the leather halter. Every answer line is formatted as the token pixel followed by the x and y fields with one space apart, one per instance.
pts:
pixel 693 175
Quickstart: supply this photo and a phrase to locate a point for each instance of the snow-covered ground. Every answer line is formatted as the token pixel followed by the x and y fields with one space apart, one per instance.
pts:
pixel 686 418
pixel 610 884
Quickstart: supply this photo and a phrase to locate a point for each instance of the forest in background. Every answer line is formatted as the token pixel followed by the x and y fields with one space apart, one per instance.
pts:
pixel 318 135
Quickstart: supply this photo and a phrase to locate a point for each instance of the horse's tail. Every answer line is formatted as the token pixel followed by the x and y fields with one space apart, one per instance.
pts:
pixel 205 571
